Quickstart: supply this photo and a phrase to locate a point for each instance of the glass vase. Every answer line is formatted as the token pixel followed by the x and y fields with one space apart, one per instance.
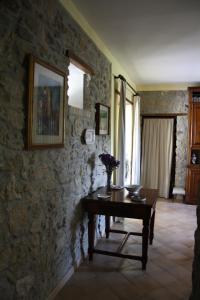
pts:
pixel 109 175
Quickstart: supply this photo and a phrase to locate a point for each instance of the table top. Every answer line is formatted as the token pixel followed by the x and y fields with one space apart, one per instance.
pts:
pixel 122 197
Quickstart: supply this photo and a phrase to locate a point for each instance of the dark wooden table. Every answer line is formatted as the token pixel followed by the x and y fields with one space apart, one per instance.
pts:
pixel 120 205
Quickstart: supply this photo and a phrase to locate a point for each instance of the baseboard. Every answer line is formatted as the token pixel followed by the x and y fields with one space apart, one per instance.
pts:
pixel 61 284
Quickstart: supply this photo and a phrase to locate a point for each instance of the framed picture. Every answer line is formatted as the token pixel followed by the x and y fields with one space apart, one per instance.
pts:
pixel 102 119
pixel 89 136
pixel 46 105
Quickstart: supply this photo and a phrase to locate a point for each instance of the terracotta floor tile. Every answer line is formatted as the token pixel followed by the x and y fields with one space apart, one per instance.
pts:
pixel 168 274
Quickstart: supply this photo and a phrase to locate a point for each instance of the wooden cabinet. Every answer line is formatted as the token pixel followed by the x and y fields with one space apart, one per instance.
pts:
pixel 193 170
pixel 193 183
pixel 195 126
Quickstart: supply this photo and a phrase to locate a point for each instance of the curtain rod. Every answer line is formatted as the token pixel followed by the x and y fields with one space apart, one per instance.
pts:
pixel 124 79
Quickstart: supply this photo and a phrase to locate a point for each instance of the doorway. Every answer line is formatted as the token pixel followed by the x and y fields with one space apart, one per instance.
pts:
pixel 159 153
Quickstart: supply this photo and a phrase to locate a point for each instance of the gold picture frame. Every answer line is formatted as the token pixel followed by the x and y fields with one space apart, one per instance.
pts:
pixel 46 105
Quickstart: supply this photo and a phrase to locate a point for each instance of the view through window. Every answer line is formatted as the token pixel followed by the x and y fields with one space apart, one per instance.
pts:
pixel 128 135
pixel 75 86
pixel 128 141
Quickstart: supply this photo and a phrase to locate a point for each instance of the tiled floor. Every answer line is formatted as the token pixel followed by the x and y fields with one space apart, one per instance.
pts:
pixel 168 274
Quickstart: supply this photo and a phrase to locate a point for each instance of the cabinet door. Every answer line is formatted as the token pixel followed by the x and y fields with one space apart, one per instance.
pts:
pixel 193 186
pixel 196 124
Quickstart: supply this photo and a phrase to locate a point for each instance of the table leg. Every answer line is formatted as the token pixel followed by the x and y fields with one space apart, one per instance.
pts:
pixel 107 226
pixel 152 228
pixel 91 234
pixel 145 239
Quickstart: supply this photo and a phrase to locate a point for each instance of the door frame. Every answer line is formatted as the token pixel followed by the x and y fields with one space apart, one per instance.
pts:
pixel 173 166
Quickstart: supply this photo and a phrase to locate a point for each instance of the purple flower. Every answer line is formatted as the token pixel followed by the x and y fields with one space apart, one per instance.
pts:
pixel 109 162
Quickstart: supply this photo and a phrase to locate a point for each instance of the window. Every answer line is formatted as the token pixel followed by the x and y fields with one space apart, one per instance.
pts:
pixel 78 72
pixel 128 140
pixel 131 144
pixel 75 86
pixel 128 135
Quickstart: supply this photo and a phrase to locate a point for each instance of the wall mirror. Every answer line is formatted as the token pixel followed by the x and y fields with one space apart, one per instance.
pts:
pixel 79 74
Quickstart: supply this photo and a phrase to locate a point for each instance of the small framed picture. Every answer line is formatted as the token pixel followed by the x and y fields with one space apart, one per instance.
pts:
pixel 102 119
pixel 46 105
pixel 89 136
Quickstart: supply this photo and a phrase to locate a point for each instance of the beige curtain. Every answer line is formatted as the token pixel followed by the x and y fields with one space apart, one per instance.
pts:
pixel 157 144
pixel 120 174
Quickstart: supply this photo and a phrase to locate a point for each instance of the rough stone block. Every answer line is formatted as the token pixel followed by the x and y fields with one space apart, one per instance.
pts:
pixel 44 229
pixel 24 285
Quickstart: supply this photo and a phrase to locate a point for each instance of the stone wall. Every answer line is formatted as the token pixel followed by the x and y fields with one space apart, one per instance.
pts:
pixel 43 231
pixel 169 102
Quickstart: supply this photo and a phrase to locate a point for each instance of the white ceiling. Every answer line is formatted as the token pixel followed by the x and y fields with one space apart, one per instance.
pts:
pixel 156 41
